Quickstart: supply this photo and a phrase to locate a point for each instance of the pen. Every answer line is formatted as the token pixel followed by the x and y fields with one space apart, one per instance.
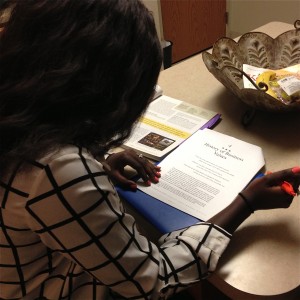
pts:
pixel 288 188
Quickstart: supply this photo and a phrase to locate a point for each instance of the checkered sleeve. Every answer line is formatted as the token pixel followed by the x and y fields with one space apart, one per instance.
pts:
pixel 77 213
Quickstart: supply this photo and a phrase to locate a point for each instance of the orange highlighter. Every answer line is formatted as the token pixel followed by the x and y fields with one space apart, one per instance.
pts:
pixel 288 188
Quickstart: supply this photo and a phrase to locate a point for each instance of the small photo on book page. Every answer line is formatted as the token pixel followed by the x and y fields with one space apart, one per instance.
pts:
pixel 205 173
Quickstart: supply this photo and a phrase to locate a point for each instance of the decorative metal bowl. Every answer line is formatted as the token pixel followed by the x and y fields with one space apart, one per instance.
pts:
pixel 260 50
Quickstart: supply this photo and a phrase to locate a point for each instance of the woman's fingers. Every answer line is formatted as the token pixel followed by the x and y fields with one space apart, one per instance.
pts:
pixel 144 168
pixel 148 170
pixel 275 190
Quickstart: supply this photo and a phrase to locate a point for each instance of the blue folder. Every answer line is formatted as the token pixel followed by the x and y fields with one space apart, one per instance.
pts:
pixel 162 216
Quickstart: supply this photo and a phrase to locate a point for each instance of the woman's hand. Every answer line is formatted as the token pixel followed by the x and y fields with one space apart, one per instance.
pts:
pixel 262 193
pixel 267 192
pixel 116 163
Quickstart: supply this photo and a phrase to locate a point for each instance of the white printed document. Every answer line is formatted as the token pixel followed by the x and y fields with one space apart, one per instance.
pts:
pixel 204 174
pixel 165 125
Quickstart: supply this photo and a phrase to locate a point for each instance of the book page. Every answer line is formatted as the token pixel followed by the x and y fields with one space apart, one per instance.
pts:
pixel 166 124
pixel 205 174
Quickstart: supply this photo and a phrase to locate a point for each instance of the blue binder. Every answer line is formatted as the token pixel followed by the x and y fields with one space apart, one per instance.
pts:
pixel 162 216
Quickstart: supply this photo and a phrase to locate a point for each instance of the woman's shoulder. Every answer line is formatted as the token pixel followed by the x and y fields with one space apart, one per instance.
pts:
pixel 68 163
pixel 66 153
pixel 68 166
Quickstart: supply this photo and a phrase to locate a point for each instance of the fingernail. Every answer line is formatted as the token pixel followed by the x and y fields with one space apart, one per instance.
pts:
pixel 155 179
pixel 296 170
pixel 133 186
pixel 148 183
pixel 157 174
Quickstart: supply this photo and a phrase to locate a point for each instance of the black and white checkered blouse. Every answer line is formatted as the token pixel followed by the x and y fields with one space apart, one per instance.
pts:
pixel 65 235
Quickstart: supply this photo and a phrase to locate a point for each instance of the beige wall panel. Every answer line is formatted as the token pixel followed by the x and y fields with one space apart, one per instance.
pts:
pixel 154 7
pixel 246 15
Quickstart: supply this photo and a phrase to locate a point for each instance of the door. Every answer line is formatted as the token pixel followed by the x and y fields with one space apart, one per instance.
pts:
pixel 192 25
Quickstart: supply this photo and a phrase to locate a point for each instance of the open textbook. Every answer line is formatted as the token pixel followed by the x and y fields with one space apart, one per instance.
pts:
pixel 166 124
pixel 205 174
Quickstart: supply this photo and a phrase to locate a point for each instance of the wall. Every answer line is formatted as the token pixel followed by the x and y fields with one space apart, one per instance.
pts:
pixel 246 15
pixel 154 7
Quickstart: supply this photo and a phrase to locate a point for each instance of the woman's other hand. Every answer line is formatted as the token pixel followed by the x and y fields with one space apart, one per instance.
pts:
pixel 267 192
pixel 116 163
pixel 262 193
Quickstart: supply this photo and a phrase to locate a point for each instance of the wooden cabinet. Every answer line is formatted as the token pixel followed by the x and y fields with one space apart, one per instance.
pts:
pixel 192 25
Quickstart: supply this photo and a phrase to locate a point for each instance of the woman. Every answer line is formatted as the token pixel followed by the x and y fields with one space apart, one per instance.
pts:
pixel 75 75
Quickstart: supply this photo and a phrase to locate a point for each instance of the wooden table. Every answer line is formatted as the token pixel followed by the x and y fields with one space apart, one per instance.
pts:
pixel 263 259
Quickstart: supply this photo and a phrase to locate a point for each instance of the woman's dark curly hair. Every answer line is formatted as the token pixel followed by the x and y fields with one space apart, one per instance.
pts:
pixel 74 72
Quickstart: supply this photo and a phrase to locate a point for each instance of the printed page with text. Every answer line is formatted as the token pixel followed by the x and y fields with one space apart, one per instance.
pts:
pixel 205 173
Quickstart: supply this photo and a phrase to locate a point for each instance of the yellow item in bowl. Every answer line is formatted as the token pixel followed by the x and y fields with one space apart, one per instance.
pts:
pixel 268 79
